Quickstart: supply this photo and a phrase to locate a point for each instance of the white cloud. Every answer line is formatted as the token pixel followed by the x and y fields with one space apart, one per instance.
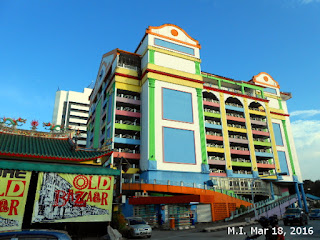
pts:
pixel 305 113
pixel 307 141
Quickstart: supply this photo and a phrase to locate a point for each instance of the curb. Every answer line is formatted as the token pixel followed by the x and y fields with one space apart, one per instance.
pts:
pixel 219 228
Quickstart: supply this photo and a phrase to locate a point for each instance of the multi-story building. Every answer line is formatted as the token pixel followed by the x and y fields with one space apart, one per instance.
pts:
pixel 72 109
pixel 177 124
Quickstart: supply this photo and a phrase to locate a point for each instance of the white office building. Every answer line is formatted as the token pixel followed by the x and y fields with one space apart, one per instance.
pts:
pixel 72 109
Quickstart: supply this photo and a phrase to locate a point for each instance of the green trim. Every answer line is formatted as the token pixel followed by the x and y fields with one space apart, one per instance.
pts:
pixel 97 121
pixel 152 138
pixel 58 168
pixel 113 116
pixel 197 64
pixel 280 104
pixel 151 56
pixel 106 131
pixel 241 164
pixel 242 89
pixel 288 145
pixel 262 94
pixel 267 144
pixel 215 115
pixel 252 86
pixel 127 127
pixel 202 128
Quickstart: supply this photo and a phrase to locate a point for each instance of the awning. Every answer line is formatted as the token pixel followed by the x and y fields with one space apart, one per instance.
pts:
pixel 57 168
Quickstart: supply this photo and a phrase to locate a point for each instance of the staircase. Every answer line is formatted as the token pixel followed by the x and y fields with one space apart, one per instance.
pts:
pixel 268 207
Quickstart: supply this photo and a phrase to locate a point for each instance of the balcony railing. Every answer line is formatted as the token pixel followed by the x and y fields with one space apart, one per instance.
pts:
pixel 236 125
pixel 128 109
pixel 214 133
pixel 127 122
pixel 214 145
pixel 239 148
pixel 210 100
pixel 242 172
pixel 216 158
pixel 258 119
pixel 238 137
pixel 214 170
pixel 256 109
pixel 126 150
pixel 211 110
pixel 261 139
pixel 234 105
pixel 260 129
pixel 262 150
pixel 128 96
pixel 213 122
pixel 265 162
pixel 240 160
pixel 126 136
pixel 235 115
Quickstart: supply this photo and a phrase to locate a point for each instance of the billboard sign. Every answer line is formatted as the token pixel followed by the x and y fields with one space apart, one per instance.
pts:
pixel 14 185
pixel 64 197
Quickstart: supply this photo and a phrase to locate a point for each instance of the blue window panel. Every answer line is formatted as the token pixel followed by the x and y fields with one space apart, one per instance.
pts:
pixel 238 175
pixel 234 108
pixel 177 105
pixel 179 146
pixel 277 134
pixel 283 162
pixel 270 90
pixel 108 133
pixel 127 141
pixel 110 103
pixel 173 46
pixel 209 125
pixel 264 154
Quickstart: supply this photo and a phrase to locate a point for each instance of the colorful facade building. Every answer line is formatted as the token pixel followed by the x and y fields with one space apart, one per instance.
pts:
pixel 179 125
pixel 46 181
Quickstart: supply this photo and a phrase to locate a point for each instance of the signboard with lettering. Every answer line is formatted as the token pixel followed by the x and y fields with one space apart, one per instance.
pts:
pixel 73 198
pixel 14 185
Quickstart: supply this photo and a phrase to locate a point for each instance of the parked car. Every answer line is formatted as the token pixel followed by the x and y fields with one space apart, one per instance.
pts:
pixel 314 214
pixel 295 215
pixel 37 234
pixel 137 227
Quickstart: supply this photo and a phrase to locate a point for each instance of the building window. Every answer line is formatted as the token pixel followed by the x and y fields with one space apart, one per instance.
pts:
pixel 179 146
pixel 283 162
pixel 277 134
pixel 177 105
pixel 173 46
pixel 271 90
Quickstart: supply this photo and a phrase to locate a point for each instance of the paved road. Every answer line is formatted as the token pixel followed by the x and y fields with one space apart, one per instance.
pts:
pixel 292 232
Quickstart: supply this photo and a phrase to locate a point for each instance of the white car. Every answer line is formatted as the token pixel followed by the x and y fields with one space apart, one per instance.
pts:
pixel 137 227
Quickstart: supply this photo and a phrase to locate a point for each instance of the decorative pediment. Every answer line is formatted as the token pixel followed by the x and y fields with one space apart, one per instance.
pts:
pixel 106 62
pixel 264 79
pixel 174 33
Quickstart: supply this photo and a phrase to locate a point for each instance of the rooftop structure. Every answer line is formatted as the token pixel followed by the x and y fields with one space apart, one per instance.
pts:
pixel 71 109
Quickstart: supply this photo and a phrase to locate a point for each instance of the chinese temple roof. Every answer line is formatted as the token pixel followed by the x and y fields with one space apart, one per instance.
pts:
pixel 40 145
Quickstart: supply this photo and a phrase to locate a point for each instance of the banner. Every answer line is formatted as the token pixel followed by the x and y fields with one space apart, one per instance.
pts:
pixel 73 198
pixel 14 185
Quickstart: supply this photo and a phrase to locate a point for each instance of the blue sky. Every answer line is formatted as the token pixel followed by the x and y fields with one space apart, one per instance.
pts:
pixel 50 44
